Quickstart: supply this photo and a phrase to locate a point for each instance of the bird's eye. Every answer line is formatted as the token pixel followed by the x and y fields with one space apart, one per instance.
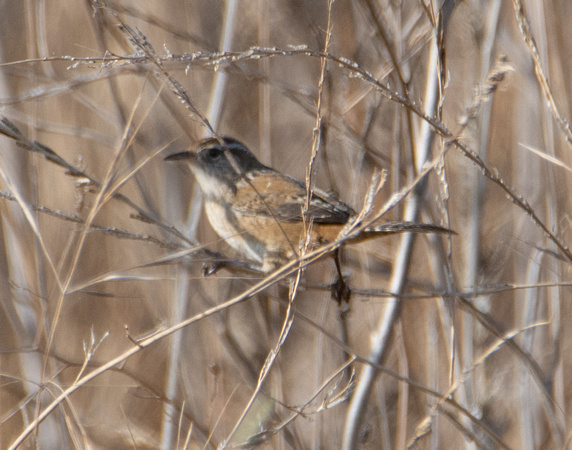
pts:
pixel 214 153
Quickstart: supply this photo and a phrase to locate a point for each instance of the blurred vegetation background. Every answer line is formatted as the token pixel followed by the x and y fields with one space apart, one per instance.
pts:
pixel 450 341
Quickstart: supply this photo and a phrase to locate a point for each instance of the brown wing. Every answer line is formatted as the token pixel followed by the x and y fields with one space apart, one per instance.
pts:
pixel 283 197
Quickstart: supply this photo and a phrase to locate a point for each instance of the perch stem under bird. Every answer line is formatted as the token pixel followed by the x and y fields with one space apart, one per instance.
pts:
pixel 259 211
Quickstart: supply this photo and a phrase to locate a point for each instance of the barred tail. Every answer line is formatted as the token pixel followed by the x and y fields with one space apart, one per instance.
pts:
pixel 402 227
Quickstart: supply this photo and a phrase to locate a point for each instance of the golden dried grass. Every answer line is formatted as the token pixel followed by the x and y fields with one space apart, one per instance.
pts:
pixel 111 336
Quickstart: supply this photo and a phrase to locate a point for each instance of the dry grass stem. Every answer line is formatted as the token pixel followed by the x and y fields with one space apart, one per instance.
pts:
pixel 127 322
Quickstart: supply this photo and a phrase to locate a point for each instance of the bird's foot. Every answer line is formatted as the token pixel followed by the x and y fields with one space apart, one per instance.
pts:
pixel 341 292
pixel 212 267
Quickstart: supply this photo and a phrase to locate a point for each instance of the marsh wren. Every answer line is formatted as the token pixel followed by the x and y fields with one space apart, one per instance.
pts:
pixel 259 210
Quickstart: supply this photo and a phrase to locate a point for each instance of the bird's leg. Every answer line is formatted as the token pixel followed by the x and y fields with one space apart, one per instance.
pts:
pixel 340 289
pixel 341 293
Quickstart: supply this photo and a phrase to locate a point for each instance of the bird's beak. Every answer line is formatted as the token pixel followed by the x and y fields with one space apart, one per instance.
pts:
pixel 188 156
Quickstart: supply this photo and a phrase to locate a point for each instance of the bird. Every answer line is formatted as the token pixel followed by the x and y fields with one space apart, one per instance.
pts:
pixel 259 211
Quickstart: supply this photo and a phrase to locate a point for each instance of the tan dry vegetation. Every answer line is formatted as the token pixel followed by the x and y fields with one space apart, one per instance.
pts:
pixel 112 338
